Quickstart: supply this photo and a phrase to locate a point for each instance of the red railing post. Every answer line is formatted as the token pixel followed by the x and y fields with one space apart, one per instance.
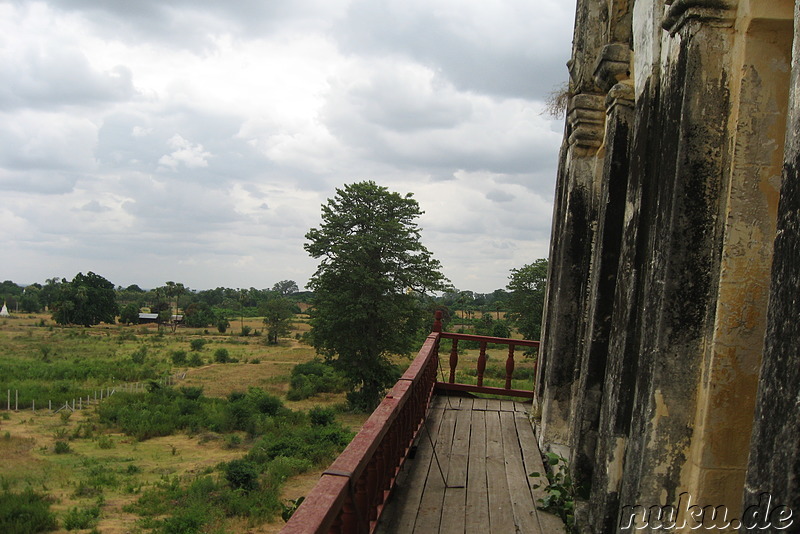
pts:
pixel 510 365
pixel 437 321
pixel 453 361
pixel 481 363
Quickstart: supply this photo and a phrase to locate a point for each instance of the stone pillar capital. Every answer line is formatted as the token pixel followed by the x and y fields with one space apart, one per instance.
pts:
pixel 622 94
pixel 586 118
pixel 679 12
pixel 613 65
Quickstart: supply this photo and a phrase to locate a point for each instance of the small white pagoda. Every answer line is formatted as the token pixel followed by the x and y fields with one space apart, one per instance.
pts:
pixel 4 311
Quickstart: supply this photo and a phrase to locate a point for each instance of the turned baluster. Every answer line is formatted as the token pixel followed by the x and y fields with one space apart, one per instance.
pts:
pixel 362 504
pixel 509 366
pixel 371 500
pixel 481 363
pixel 348 516
pixel 453 361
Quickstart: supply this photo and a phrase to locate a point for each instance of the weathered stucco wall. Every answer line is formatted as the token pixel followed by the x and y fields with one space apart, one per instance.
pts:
pixel 774 464
pixel 662 248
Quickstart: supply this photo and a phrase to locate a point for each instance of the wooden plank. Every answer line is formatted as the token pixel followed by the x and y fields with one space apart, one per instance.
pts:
pixel 524 509
pixel 400 515
pixel 507 405
pixel 479 404
pixel 430 510
pixel 477 514
pixel 501 514
pixel 532 460
pixel 493 405
pixel 455 499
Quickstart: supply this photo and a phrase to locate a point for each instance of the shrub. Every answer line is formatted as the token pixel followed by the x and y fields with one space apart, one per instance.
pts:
pixel 315 444
pixel 139 355
pixel 195 360
pixel 321 416
pixel 192 392
pixel 77 519
pixel 62 447
pixel 197 344
pixel 232 441
pixel 313 377
pixel 222 324
pixel 178 357
pixel 221 355
pixel 25 513
pixel 241 474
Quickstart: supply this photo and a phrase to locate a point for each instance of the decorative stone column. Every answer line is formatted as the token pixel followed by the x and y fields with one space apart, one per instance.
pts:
pixel 774 464
pixel 570 255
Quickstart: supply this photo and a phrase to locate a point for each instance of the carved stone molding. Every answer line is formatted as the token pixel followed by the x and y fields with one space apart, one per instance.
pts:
pixel 682 11
pixel 622 94
pixel 587 118
pixel 613 65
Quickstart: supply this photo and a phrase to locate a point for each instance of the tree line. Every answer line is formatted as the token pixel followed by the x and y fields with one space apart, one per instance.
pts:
pixel 373 294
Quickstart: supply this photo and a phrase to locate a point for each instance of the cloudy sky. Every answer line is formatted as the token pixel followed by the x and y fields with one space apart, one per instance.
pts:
pixel 195 140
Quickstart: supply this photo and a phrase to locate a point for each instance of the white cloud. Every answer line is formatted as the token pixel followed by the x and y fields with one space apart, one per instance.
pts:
pixel 184 152
pixel 203 137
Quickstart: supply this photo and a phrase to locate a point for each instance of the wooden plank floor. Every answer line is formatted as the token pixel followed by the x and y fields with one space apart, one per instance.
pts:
pixel 484 449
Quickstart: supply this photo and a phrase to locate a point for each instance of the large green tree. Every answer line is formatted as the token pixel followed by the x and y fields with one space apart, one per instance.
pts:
pixel 278 314
pixel 87 300
pixel 526 301
pixel 373 268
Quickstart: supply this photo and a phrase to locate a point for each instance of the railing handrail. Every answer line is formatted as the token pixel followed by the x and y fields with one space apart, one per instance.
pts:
pixel 342 500
pixel 490 339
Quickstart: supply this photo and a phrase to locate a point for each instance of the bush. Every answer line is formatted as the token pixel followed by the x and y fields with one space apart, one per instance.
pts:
pixel 178 357
pixel 77 519
pixel 321 416
pixel 313 377
pixel 191 392
pixel 62 447
pixel 25 513
pixel 241 474
pixel 221 355
pixel 139 355
pixel 197 344
pixel 317 444
pixel 195 360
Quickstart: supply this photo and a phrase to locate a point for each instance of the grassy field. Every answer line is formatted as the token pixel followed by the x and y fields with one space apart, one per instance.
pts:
pixel 100 469
pixel 87 467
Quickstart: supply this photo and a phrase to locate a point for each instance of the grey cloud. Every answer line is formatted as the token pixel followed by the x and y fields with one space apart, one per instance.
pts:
pixel 141 141
pixel 499 196
pixel 471 61
pixel 57 75
pixel 94 206
pixel 193 24
pixel 39 182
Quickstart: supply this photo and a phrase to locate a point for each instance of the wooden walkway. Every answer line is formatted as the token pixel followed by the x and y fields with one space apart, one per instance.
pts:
pixel 485 449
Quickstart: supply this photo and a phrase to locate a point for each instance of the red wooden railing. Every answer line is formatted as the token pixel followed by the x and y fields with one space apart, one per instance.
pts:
pixel 483 341
pixel 349 497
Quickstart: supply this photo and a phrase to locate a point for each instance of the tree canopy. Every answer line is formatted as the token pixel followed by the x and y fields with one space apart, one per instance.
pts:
pixel 526 302
pixel 87 300
pixel 278 314
pixel 373 268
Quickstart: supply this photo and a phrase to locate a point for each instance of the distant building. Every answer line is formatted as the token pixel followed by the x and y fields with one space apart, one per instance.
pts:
pixel 146 318
pixel 4 311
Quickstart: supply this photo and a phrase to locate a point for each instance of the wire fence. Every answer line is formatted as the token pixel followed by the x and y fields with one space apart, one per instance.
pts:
pixel 79 403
